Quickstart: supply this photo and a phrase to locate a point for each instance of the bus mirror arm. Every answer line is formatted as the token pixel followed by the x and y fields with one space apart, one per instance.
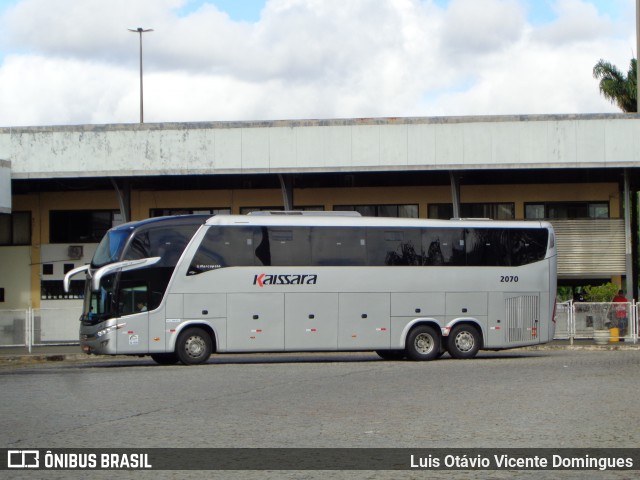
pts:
pixel 122 266
pixel 67 278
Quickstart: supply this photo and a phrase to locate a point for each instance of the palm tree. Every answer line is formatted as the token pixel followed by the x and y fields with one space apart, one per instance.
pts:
pixel 617 87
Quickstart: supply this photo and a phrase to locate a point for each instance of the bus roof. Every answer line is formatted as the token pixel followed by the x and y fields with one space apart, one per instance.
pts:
pixel 169 220
pixel 320 219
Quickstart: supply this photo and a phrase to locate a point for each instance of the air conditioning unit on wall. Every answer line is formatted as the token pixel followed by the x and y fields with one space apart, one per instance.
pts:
pixel 75 252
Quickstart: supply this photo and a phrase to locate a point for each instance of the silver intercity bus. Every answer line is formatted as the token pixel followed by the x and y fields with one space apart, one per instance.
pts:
pixel 180 288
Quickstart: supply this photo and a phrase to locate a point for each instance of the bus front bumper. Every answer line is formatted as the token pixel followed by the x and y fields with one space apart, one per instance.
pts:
pixel 99 339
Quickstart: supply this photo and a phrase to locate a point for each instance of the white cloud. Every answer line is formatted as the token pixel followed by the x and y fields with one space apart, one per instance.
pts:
pixel 75 62
pixel 577 21
pixel 481 27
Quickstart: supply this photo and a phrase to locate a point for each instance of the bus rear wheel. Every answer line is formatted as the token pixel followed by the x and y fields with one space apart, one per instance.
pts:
pixel 194 346
pixel 423 343
pixel 463 341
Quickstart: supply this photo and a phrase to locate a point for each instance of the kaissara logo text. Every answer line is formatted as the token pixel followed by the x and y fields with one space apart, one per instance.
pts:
pixel 263 279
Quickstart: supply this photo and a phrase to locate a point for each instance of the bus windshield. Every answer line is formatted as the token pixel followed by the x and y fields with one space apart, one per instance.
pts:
pixel 100 305
pixel 110 248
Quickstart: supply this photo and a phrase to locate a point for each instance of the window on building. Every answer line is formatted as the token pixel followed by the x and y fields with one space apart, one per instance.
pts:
pixel 566 210
pixel 401 211
pixel 166 212
pixel 15 228
pixel 54 290
pixel 495 211
pixel 81 226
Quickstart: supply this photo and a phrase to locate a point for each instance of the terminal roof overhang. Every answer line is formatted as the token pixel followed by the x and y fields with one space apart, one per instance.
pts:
pixel 498 148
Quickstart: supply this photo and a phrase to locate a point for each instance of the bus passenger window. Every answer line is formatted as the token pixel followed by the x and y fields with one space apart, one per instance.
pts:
pixel 288 246
pixel 443 246
pixel 224 247
pixel 529 245
pixel 133 299
pixel 338 246
pixel 393 247
pixel 488 247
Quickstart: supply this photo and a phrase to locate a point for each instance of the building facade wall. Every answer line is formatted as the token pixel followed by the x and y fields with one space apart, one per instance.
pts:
pixel 349 146
pixel 42 251
pixel 544 141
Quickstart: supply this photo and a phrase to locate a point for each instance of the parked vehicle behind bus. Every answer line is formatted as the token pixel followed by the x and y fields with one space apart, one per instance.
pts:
pixel 182 288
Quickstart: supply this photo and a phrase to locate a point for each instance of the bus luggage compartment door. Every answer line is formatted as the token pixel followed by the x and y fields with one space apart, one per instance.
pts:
pixel 364 321
pixel 311 321
pixel 255 322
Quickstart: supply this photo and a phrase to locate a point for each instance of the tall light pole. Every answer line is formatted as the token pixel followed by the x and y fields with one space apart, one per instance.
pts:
pixel 140 31
pixel 637 56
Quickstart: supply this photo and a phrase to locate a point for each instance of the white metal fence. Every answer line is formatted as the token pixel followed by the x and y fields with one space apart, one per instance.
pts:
pixel 587 320
pixel 39 326
pixel 574 320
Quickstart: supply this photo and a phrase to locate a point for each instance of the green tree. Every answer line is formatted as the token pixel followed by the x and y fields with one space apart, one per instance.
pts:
pixel 618 88
pixel 602 295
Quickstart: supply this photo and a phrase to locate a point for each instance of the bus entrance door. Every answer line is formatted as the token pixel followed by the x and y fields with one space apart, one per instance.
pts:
pixel 133 337
pixel 133 299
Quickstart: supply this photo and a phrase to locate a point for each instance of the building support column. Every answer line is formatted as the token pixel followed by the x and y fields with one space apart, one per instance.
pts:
pixel 627 205
pixel 454 177
pixel 124 199
pixel 286 185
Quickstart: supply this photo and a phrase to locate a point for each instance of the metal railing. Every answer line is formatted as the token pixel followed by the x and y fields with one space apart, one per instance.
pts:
pixel 587 320
pixel 574 320
pixel 39 326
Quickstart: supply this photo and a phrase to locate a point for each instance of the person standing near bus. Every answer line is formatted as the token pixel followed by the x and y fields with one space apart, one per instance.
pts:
pixel 621 312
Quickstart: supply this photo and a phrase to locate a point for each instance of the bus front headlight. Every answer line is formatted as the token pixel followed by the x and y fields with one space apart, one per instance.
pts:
pixel 112 328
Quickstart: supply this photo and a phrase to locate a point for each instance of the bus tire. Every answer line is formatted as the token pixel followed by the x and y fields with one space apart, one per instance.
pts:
pixel 464 341
pixel 194 346
pixel 391 354
pixel 423 343
pixel 165 358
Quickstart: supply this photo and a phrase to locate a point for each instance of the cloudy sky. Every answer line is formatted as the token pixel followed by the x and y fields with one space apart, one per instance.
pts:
pixel 74 61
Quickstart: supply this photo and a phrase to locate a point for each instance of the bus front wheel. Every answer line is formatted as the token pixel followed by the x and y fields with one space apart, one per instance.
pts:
pixel 463 341
pixel 194 346
pixel 423 343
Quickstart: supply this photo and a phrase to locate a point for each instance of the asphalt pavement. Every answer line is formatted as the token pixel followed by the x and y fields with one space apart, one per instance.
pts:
pixel 62 353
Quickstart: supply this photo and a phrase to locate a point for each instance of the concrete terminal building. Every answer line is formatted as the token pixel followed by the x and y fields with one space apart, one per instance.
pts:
pixel 62 187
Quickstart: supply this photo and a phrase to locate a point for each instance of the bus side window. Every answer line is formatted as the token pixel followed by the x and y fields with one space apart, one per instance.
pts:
pixel 338 246
pixel 133 298
pixel 139 247
pixel 529 245
pixel 224 247
pixel 443 246
pixel 488 247
pixel 287 246
pixel 168 244
pixel 393 246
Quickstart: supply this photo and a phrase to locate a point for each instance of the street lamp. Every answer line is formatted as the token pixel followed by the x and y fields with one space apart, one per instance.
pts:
pixel 637 56
pixel 140 31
